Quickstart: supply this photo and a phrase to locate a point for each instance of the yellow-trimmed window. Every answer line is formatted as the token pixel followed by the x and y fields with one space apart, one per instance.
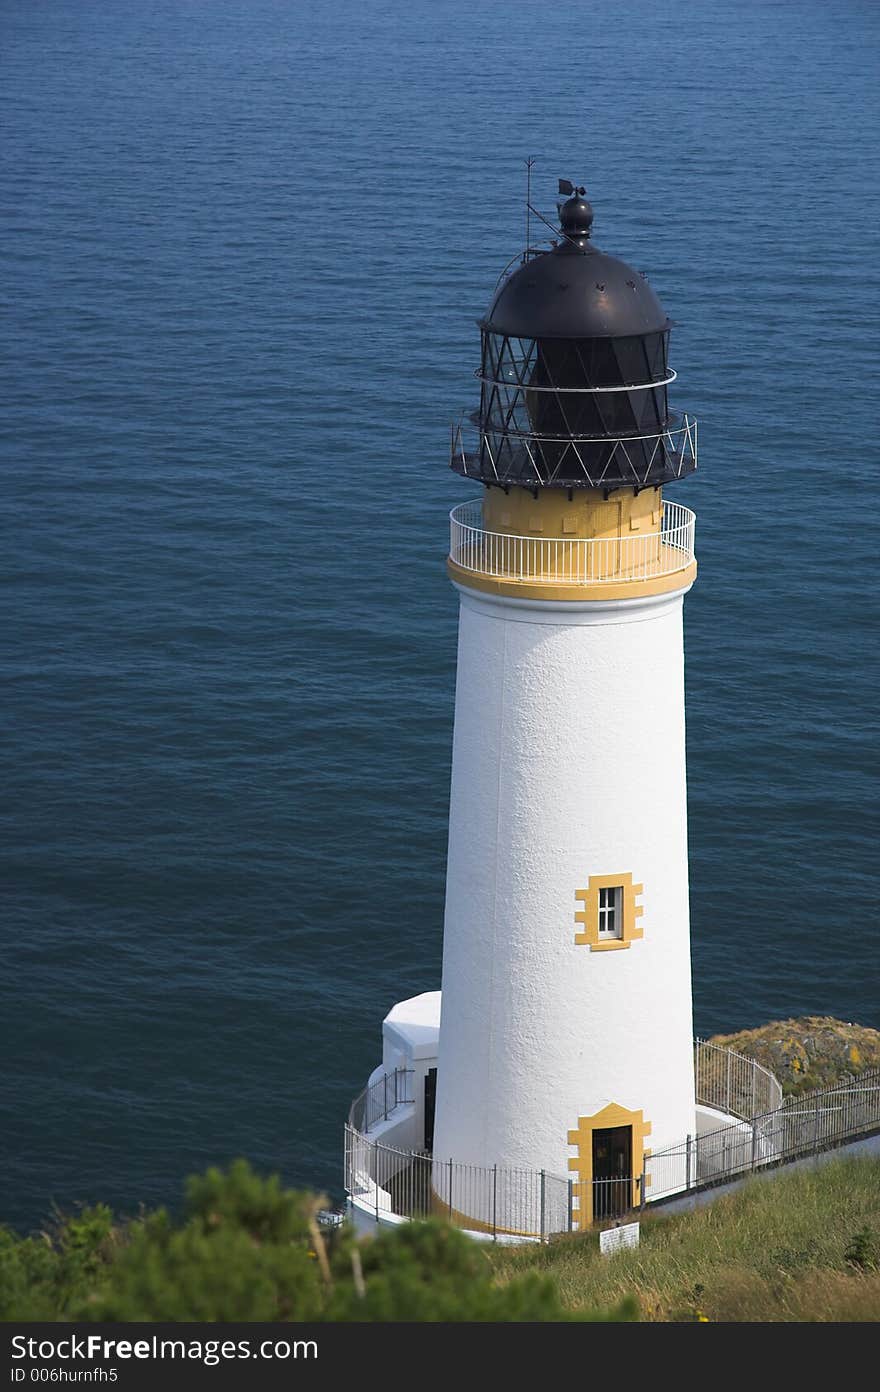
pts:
pixel 610 914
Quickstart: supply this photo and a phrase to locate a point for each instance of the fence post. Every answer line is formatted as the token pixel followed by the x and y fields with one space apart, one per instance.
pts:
pixel 376 1178
pixel 754 1143
pixel 642 1182
pixel 450 1188
pixel 816 1128
pixel 687 1172
pixel 543 1189
pixel 729 1058
pixel 385 1090
pixel 570 1204
pixel 495 1203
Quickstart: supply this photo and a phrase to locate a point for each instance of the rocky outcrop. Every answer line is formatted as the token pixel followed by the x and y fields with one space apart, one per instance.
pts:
pixel 809 1052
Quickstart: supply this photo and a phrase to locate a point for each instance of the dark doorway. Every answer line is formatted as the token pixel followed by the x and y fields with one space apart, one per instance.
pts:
pixel 612 1171
pixel 430 1103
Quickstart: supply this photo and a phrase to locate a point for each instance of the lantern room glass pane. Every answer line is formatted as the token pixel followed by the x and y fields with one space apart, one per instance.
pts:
pixel 581 412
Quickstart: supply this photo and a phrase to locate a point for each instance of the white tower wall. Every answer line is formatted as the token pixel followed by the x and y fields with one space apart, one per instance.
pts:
pixel 568 762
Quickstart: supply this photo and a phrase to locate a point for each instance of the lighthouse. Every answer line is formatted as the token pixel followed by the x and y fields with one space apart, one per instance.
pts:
pixel 566 1040
pixel 559 1054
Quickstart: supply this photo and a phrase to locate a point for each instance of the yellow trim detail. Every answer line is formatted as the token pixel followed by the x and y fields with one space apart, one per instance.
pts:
pixel 582 1163
pixel 596 590
pixel 589 513
pixel 458 1219
pixel 589 915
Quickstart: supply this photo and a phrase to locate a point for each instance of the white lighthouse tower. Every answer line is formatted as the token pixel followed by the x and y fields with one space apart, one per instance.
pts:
pixel 565 1038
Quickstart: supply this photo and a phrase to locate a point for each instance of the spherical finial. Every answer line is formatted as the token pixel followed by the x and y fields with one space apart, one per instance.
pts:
pixel 576 217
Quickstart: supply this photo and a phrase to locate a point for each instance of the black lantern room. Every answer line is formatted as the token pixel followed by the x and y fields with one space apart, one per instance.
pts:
pixel 574 373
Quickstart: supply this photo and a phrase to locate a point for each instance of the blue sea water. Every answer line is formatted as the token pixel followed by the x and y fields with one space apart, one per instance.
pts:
pixel 245 243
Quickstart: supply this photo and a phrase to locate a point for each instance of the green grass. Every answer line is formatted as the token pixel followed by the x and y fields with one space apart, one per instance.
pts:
pixel 803 1245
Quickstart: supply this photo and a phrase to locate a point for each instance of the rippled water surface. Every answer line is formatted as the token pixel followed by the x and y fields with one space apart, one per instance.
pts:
pixel 246 242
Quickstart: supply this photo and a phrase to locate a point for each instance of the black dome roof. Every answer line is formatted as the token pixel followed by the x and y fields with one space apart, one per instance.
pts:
pixel 575 291
pixel 574 374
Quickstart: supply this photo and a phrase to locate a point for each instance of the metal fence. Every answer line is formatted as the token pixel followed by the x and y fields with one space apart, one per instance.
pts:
pixel 800 1126
pixel 393 1183
pixel 572 560
pixel 496 1199
pixel 377 1102
pixel 732 1082
pixel 612 1198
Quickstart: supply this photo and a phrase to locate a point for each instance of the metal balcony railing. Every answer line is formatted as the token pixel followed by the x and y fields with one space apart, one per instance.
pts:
pixel 505 448
pixel 571 560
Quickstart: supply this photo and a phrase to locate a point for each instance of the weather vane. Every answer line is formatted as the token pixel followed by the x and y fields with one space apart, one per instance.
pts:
pixel 567 188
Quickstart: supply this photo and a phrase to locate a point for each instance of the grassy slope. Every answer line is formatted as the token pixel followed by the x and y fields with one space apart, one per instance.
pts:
pixel 774 1250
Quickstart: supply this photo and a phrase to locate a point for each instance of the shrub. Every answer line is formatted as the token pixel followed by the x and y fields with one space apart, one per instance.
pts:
pixel 245 1249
